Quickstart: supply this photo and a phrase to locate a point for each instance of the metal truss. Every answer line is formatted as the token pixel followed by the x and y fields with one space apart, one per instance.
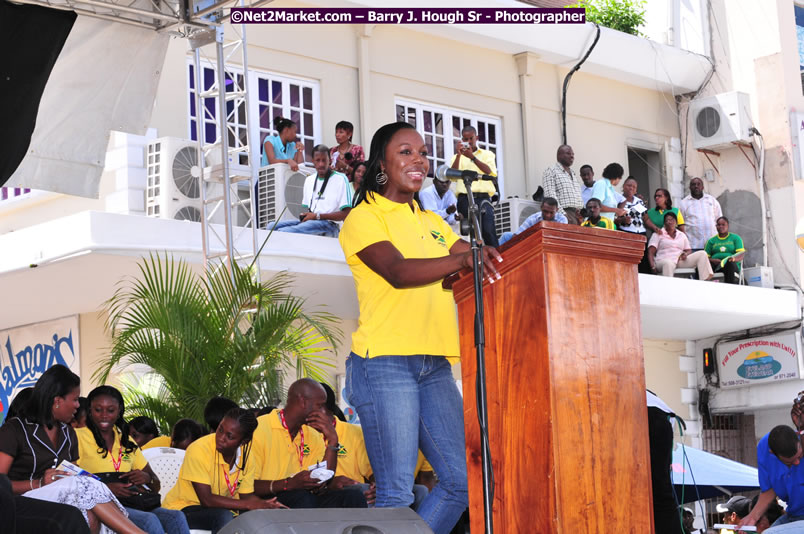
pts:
pixel 229 166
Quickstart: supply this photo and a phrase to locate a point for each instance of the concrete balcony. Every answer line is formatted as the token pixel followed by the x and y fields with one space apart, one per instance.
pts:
pixel 72 264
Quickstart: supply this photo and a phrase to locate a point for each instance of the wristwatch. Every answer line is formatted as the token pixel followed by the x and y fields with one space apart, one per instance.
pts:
pixel 317 216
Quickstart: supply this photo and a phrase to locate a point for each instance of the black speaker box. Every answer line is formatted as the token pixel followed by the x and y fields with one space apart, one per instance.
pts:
pixel 329 521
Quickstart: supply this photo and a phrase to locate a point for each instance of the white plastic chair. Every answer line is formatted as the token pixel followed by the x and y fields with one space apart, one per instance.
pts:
pixel 166 463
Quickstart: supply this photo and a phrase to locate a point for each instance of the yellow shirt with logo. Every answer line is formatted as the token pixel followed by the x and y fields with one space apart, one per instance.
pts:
pixel 353 459
pixel 275 456
pixel 466 164
pixel 400 322
pixel 90 456
pixel 205 465
pixel 158 441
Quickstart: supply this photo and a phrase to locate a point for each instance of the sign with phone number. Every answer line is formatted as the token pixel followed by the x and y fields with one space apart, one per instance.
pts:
pixel 760 360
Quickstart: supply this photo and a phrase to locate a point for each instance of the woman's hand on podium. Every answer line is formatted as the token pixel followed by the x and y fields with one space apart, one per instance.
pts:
pixel 490 258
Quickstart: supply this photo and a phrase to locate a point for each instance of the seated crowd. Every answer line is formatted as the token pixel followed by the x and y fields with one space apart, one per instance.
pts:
pixel 245 459
pixel 696 235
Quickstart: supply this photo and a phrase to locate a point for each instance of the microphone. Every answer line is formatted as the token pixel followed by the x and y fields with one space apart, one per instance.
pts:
pixel 444 172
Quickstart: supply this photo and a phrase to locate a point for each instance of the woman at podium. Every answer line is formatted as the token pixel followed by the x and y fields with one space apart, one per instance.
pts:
pixel 399 376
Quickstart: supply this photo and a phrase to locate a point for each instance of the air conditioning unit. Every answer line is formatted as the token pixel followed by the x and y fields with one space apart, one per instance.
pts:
pixel 173 188
pixel 512 212
pixel 720 120
pixel 278 189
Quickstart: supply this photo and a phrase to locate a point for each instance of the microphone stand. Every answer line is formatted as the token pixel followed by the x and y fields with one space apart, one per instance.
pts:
pixel 473 213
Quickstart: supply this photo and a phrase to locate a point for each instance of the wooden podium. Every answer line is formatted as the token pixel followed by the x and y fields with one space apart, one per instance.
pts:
pixel 565 384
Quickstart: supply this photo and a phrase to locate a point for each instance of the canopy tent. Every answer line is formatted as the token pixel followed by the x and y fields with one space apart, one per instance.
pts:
pixel 700 475
pixel 67 81
pixel 105 78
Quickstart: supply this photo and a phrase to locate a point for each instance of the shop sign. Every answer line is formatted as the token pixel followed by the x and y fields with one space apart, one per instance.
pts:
pixel 759 360
pixel 28 351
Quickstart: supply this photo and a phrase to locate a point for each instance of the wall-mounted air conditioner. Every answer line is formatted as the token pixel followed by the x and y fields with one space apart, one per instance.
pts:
pixel 173 189
pixel 279 188
pixel 512 212
pixel 720 120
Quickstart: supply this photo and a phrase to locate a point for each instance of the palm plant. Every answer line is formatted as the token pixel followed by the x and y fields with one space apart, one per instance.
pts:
pixel 223 334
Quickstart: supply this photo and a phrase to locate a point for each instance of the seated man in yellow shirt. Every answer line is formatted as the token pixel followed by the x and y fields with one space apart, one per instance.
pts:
pixel 217 475
pixel 468 157
pixel 288 442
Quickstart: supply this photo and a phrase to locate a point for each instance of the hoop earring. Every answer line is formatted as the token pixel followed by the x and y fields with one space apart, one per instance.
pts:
pixel 382 178
pixel 57 406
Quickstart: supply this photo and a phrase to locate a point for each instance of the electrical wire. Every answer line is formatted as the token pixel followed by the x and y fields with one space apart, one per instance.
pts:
pixel 566 85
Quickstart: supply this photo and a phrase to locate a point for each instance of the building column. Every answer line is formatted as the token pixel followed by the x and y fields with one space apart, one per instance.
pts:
pixel 525 64
pixel 364 32
pixel 689 363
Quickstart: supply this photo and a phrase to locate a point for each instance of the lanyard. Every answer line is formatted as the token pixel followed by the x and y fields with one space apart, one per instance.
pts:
pixel 116 464
pixel 315 186
pixel 299 448
pixel 233 486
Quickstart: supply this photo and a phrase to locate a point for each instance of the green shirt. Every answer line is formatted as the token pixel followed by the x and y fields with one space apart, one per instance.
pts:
pixel 722 247
pixel 604 222
pixel 657 216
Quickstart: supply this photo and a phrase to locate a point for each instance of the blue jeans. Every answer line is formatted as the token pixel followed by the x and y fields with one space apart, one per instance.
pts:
pixel 159 521
pixel 407 403
pixel 202 518
pixel 787 523
pixel 420 491
pixel 325 228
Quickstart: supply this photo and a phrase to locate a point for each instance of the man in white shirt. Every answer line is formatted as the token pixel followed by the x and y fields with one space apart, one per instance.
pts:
pixel 701 212
pixel 327 198
pixel 440 199
pixel 588 179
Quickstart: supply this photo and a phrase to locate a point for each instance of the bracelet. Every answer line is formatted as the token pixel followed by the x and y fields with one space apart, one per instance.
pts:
pixel 334 447
pixel 285 486
pixel 41 481
pixel 271 488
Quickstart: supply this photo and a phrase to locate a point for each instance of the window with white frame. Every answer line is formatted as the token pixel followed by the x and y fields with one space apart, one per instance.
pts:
pixel 8 193
pixel 441 129
pixel 271 96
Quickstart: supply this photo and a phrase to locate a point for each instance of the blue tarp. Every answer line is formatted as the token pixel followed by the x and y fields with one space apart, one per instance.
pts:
pixel 701 475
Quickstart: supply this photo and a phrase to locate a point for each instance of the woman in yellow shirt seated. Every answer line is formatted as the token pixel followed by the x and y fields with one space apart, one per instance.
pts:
pixel 217 476
pixel 104 446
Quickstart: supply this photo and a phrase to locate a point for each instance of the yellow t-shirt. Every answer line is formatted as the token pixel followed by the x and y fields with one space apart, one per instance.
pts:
pixel 90 456
pixel 275 456
pixel 158 441
pixel 480 186
pixel 353 460
pixel 205 465
pixel 421 465
pixel 400 322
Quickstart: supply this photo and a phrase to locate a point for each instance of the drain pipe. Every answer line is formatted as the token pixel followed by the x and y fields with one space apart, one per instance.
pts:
pixel 761 180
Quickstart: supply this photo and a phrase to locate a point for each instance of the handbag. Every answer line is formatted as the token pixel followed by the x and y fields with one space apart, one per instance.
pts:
pixel 144 500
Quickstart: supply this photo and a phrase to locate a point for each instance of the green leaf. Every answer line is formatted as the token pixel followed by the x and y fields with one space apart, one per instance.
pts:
pixel 622 15
pixel 222 334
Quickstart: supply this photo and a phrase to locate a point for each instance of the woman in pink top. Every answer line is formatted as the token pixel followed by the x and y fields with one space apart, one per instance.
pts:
pixel 671 249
